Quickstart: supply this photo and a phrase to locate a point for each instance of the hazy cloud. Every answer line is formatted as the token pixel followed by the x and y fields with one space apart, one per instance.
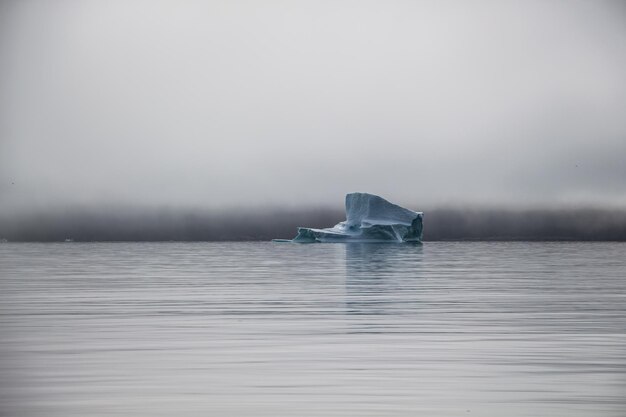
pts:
pixel 213 104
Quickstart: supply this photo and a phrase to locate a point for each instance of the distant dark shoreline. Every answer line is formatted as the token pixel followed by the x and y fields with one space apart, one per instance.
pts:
pixel 503 240
pixel 195 226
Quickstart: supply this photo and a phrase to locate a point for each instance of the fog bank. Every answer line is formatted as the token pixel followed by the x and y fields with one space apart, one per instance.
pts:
pixel 216 104
pixel 177 225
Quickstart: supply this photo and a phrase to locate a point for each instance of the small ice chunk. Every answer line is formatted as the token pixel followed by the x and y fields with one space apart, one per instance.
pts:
pixel 369 218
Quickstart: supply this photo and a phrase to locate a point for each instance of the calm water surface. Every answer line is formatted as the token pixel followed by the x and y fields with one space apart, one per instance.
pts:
pixel 268 329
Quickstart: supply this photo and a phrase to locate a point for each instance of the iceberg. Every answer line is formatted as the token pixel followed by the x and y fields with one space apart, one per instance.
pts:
pixel 369 218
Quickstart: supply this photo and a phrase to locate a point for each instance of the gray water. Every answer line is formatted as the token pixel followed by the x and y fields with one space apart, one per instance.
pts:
pixel 269 329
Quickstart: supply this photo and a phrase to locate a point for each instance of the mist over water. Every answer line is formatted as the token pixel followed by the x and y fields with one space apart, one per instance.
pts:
pixel 294 104
pixel 264 225
pixel 201 122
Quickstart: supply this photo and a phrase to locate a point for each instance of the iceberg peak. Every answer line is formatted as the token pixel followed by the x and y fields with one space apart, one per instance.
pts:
pixel 369 218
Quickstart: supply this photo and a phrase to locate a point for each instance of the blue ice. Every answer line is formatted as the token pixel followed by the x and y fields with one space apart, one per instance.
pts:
pixel 369 218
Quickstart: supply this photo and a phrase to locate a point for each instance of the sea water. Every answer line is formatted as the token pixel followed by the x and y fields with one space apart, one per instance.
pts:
pixel 270 329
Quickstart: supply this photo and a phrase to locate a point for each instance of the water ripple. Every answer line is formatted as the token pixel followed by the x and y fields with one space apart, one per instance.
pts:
pixel 253 329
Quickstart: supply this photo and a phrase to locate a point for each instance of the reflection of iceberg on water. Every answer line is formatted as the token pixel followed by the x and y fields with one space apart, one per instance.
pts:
pixel 369 218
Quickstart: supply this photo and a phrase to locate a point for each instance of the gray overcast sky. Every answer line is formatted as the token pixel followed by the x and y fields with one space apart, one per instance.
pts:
pixel 240 103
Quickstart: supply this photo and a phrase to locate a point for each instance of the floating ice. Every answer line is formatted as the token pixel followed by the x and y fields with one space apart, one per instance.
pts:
pixel 369 218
